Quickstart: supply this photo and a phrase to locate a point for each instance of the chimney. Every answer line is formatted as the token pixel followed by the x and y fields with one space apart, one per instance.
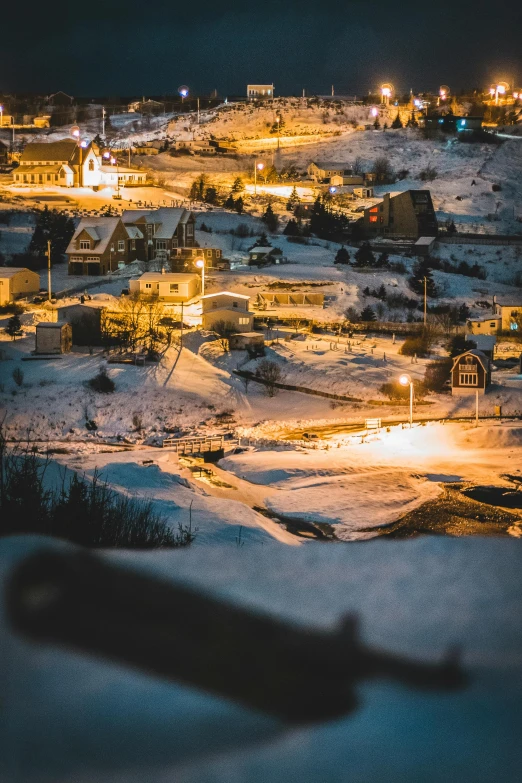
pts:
pixel 162 270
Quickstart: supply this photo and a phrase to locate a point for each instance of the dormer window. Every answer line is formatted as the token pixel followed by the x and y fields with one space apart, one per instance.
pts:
pixel 85 244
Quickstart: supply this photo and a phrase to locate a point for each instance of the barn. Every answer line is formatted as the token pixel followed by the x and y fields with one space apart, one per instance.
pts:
pixel 471 372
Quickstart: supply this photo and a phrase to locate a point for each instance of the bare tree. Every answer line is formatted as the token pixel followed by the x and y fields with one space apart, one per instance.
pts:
pixel 224 330
pixel 270 373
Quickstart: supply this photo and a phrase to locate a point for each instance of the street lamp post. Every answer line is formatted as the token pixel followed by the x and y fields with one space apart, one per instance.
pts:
pixel 115 161
pixel 200 263
pixel 1 116
pixel 257 167
pixel 405 380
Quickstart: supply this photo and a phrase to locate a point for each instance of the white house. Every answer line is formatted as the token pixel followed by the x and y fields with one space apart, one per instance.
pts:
pixel 229 307
pixel 66 164
pixel 167 286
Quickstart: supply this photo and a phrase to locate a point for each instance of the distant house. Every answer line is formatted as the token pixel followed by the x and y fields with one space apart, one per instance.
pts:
pixel 322 172
pixel 185 257
pixel 247 341
pixel 471 372
pixel 257 91
pixel 65 164
pixel 484 342
pixel 509 310
pixel 4 149
pixel 260 256
pixel 477 326
pixel 59 98
pixel 197 146
pixel 101 245
pixel 167 286
pixel 341 180
pixel 365 192
pixel 450 123
pixel 17 282
pixel 409 215
pixel 229 307
pixel 53 338
pixel 164 229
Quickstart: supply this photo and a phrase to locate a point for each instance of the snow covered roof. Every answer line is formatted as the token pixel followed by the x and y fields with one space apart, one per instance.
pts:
pixel 226 293
pixel 104 228
pixel 425 241
pixel 262 249
pixel 166 218
pixel 11 271
pixel 333 165
pixel 175 277
pixel 484 342
pixel 483 359
pixel 133 232
pixel 52 151
pixel 509 300
pixel 92 233
pixel 51 324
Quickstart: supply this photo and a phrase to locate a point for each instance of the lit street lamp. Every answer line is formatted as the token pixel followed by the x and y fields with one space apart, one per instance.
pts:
pixel 386 92
pixel 115 161
pixel 257 167
pixel 405 380
pixel 1 115
pixel 200 263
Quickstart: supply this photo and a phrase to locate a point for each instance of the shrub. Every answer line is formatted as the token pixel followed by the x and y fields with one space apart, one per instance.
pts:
pixel 14 325
pixel 415 346
pixel 428 174
pixel 102 383
pixel 436 375
pixel 396 391
pixel 18 376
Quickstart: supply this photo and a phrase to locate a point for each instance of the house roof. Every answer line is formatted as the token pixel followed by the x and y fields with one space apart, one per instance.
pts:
pixel 54 151
pixel 331 165
pixel 260 249
pixel 11 271
pixel 226 293
pixel 133 232
pixel 167 219
pixel 51 169
pixel 103 227
pixel 174 277
pixel 484 342
pixel 483 359
pixel 91 230
pixel 51 324
pixel 508 300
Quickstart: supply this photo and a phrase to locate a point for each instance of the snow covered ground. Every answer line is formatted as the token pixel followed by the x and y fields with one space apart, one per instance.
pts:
pixel 66 716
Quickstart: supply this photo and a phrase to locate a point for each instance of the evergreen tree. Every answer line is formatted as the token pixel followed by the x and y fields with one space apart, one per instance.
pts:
pixel 230 203
pixel 292 228
pixel 13 326
pixel 342 256
pixel 367 314
pixel 293 200
pixel 421 270
pixel 364 256
pixel 197 189
pixel 261 242
pixel 381 292
pixel 238 186
pixel 383 260
pixel 211 195
pixel 270 218
pixel 412 121
pixel 397 122
pixel 239 205
pixel 55 227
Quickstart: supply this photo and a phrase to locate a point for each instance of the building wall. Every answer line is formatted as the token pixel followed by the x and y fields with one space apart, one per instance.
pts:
pixel 107 261
pixel 162 288
pixel 243 321
pixel 24 283
pixel 468 365
pixel 506 313
pixel 483 327
pixel 53 340
pixel 224 301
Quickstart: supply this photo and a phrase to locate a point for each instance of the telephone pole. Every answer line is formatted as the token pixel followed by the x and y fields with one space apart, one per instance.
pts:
pixel 425 302
pixel 49 293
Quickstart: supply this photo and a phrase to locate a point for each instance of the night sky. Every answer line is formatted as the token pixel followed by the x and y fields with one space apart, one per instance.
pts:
pixel 131 47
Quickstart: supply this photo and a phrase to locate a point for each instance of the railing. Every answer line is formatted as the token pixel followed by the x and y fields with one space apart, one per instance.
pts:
pixel 197 445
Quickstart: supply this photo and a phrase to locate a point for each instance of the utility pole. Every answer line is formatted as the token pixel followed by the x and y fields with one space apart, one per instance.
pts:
pixel 49 293
pixel 181 330
pixel 425 302
pixel 198 111
pixel 103 122
pixel 476 408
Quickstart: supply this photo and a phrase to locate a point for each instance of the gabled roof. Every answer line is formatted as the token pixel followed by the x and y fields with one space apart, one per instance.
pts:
pixel 104 227
pixel 172 277
pixel 509 300
pixel 91 230
pixel 11 271
pixel 133 232
pixel 54 151
pixel 482 358
pixel 226 293
pixel 261 249
pixel 167 219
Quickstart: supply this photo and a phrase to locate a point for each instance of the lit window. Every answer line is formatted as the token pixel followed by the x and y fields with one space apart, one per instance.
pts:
pixel 121 245
pixel 373 218
pixel 468 379
pixel 112 247
pixel 244 320
pixel 374 209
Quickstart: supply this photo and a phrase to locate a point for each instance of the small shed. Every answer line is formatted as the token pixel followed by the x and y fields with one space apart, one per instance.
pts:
pixel 242 341
pixel 484 342
pixel 259 256
pixel 423 246
pixel 17 282
pixel 471 372
pixel 53 338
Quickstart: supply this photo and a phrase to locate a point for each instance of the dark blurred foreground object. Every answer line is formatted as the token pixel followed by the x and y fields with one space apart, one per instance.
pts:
pixel 169 630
